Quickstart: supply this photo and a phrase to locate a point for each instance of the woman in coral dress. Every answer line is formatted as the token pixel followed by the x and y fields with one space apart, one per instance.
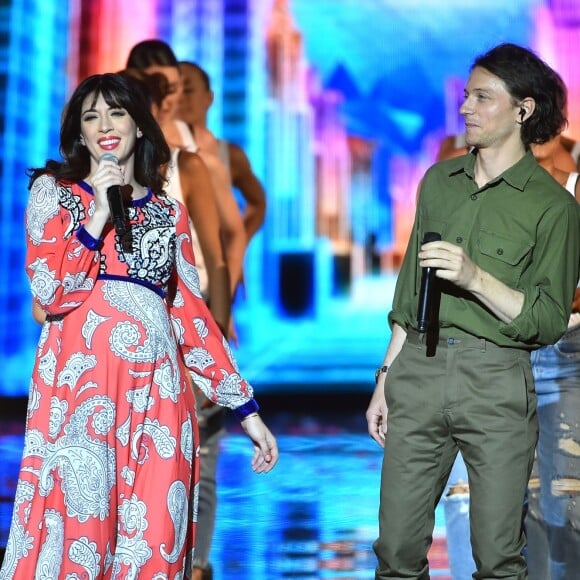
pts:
pixel 110 451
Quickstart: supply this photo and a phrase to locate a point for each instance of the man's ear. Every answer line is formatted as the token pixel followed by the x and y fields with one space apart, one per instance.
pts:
pixel 526 109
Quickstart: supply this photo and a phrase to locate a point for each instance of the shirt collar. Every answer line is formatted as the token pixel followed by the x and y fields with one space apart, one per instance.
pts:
pixel 517 175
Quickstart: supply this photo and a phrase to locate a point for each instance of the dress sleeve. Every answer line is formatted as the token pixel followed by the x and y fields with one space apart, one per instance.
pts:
pixel 205 350
pixel 62 259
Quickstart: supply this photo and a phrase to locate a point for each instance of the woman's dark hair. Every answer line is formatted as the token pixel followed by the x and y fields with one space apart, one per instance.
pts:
pixel 526 75
pixel 154 85
pixel 204 76
pixel 151 150
pixel 151 53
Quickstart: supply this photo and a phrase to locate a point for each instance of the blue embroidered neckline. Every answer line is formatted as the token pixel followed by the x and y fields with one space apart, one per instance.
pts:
pixel 134 202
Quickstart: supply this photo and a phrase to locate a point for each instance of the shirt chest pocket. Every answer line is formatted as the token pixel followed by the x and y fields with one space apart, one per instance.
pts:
pixel 503 257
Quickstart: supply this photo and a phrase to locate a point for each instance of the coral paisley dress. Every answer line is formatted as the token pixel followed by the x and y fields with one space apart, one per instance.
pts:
pixel 111 450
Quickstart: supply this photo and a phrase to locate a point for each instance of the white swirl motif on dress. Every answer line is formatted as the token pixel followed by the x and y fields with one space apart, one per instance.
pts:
pixel 165 377
pixel 57 418
pixel 154 249
pixel 178 300
pixel 128 475
pixel 47 366
pixel 35 445
pixel 199 358
pixel 71 305
pixel 73 204
pixel 42 206
pixel 132 550
pixel 177 500
pixel 91 324
pixel 51 552
pixel 85 553
pixel 43 336
pixel 201 328
pixel 43 282
pixel 123 432
pixel 125 335
pixel 142 305
pixel 230 384
pixel 75 366
pixel 76 249
pixel 141 399
pixel 158 434
pixel 178 329
pixel 19 540
pixel 86 466
pixel 204 383
pixel 153 242
pixel 83 388
pixel 77 281
pixel 187 439
pixel 34 397
pixel 187 271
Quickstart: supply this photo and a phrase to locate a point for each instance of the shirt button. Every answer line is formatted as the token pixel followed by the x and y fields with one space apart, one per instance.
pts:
pixel 499 251
pixel 473 197
pixel 458 239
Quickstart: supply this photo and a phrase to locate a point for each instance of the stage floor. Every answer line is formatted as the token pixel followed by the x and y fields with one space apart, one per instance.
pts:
pixel 313 517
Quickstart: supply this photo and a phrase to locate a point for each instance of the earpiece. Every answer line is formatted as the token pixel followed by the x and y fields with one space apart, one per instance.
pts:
pixel 522 113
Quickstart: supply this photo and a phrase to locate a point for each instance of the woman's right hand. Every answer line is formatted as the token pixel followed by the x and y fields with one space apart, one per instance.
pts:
pixel 107 174
pixel 265 445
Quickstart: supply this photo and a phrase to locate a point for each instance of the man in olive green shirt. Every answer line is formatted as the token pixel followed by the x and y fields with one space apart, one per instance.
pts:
pixel 506 268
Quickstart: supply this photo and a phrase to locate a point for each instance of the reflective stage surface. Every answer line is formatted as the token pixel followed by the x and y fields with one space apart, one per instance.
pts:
pixel 313 517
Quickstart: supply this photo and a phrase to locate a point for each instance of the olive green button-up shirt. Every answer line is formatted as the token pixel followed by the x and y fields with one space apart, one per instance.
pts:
pixel 522 227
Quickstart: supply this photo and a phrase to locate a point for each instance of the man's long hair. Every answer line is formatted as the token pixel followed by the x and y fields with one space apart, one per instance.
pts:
pixel 526 75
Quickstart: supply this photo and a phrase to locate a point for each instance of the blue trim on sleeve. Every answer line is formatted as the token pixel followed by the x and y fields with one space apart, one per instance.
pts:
pixel 246 409
pixel 87 240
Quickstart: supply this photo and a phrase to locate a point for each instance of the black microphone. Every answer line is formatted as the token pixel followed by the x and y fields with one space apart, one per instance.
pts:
pixel 115 199
pixel 426 292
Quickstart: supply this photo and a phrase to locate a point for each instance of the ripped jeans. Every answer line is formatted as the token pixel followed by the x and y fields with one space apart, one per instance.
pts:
pixel 553 517
pixel 455 501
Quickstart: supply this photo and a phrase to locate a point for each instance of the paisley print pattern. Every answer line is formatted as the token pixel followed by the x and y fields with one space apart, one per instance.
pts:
pixel 111 440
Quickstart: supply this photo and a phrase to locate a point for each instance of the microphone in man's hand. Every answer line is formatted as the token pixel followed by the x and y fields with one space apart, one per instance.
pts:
pixel 425 306
pixel 115 199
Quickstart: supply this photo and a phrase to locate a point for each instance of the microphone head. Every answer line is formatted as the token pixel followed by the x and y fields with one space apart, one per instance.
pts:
pixel 431 237
pixel 109 157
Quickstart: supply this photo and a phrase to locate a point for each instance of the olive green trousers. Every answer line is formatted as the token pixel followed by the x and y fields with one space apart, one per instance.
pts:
pixel 459 394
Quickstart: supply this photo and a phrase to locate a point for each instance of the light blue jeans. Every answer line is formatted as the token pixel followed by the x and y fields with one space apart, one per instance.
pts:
pixel 455 502
pixel 553 517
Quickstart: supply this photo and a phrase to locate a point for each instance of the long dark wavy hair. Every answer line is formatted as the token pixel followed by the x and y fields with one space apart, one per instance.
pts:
pixel 526 75
pixel 150 53
pixel 119 91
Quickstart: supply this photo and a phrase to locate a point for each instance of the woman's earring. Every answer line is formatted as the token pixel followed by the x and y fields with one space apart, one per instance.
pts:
pixel 82 141
pixel 139 133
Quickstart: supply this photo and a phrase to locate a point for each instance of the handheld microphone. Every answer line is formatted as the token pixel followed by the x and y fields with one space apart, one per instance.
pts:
pixel 426 292
pixel 115 199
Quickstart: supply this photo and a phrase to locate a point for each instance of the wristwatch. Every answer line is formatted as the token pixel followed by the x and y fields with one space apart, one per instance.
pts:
pixel 380 371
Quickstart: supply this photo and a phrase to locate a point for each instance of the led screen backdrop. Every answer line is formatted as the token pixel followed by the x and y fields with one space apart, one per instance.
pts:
pixel 340 105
